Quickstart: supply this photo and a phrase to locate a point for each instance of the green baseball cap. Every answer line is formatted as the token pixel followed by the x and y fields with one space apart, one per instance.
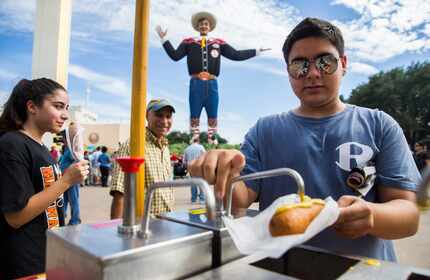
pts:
pixel 158 104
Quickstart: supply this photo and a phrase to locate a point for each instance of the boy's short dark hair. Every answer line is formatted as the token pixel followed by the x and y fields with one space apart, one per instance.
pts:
pixel 314 27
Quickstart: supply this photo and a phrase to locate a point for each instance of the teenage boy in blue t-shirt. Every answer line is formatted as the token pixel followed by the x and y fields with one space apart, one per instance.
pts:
pixel 324 139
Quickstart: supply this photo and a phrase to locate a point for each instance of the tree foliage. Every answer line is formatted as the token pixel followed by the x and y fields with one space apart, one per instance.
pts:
pixel 175 137
pixel 178 141
pixel 402 93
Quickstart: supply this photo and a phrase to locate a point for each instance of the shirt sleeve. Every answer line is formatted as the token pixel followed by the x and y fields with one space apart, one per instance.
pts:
pixel 395 166
pixel 251 152
pixel 16 186
pixel 233 54
pixel 117 184
pixel 177 54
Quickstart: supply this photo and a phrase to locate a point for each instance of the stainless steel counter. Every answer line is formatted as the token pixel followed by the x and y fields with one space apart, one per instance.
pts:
pixel 98 251
pixel 305 262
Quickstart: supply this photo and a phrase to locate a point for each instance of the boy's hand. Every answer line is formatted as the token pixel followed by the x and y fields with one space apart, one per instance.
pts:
pixel 217 167
pixel 355 218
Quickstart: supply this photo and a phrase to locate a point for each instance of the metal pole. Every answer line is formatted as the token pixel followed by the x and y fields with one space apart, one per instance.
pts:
pixel 198 182
pixel 265 174
pixel 138 100
pixel 130 166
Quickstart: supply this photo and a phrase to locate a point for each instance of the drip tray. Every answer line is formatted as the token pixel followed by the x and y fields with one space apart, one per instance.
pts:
pixel 308 264
pixel 415 276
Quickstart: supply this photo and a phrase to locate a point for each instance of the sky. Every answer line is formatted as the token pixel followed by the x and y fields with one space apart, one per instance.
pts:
pixel 379 35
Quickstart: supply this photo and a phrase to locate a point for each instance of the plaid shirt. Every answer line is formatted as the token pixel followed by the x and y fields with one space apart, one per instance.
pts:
pixel 157 168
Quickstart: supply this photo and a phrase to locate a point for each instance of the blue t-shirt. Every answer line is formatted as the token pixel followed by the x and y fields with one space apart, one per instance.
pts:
pixel 104 160
pixel 66 159
pixel 192 152
pixel 323 151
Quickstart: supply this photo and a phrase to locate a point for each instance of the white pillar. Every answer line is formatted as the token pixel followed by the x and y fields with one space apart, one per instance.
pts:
pixel 51 43
pixel 52 40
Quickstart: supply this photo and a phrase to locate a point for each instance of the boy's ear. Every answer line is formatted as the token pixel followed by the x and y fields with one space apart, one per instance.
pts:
pixel 344 62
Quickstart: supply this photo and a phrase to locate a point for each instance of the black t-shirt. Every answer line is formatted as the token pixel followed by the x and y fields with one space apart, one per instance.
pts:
pixel 26 168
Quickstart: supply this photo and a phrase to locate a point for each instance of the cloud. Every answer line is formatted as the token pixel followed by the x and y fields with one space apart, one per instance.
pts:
pixel 103 82
pixel 386 29
pixel 362 68
pixel 382 30
pixel 3 97
pixel 7 75
pixel 259 66
pixel 108 112
pixel 17 15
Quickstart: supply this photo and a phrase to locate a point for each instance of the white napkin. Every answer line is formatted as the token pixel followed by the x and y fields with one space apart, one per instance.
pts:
pixel 252 235
pixel 75 141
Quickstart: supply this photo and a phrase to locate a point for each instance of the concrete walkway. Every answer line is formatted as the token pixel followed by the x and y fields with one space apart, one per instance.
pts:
pixel 414 251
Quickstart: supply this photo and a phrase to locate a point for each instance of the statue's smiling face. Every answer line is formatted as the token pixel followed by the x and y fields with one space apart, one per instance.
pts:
pixel 204 27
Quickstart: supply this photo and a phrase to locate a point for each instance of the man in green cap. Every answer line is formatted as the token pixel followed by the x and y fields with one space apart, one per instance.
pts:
pixel 159 116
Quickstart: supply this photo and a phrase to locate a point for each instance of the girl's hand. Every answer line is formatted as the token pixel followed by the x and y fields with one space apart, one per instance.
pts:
pixel 76 173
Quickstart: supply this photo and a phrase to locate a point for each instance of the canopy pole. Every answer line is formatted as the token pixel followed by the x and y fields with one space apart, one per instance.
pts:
pixel 138 99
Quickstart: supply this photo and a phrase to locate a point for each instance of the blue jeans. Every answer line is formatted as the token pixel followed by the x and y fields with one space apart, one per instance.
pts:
pixel 196 192
pixel 203 94
pixel 71 196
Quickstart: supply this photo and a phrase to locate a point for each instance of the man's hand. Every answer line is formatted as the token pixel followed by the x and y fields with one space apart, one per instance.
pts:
pixel 160 31
pixel 264 49
pixel 217 167
pixel 356 217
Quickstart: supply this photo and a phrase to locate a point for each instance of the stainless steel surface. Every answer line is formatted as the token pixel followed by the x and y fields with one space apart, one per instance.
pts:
pixel 305 262
pixel 201 221
pixel 129 225
pixel 98 251
pixel 204 187
pixel 423 189
pixel 219 207
pixel 223 248
pixel 265 174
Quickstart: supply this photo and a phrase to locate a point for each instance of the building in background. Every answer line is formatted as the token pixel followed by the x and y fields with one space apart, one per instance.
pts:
pixel 109 134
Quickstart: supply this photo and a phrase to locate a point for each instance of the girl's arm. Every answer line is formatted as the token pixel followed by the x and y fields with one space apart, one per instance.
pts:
pixel 40 201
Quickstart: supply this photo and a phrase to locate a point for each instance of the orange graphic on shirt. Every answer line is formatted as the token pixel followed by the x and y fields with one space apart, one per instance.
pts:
pixel 48 176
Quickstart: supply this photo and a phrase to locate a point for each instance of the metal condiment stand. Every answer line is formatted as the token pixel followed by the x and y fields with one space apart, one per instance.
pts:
pixel 110 250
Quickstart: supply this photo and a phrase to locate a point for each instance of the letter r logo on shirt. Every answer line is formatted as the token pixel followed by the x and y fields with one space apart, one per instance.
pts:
pixel 345 155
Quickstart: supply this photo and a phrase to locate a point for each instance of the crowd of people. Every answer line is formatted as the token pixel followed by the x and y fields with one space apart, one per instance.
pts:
pixel 323 139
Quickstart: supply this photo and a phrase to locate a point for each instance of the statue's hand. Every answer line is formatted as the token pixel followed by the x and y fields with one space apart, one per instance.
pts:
pixel 160 31
pixel 264 49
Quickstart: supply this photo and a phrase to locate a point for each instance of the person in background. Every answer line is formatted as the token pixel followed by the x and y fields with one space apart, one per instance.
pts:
pixel 31 184
pixel 87 158
pixel 323 139
pixel 54 153
pixel 192 152
pixel 421 156
pixel 105 166
pixel 95 166
pixel 159 116
pixel 71 196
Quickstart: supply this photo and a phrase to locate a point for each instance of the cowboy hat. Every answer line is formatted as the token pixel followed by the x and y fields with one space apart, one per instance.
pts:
pixel 203 15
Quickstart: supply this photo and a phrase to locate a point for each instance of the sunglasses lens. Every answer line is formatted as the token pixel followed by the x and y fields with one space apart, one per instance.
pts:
pixel 298 68
pixel 326 64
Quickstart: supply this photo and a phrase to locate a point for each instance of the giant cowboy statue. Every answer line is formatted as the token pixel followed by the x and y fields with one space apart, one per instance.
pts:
pixel 203 59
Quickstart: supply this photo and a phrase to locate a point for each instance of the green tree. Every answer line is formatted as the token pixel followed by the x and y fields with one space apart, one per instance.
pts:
pixel 402 93
pixel 178 141
pixel 184 137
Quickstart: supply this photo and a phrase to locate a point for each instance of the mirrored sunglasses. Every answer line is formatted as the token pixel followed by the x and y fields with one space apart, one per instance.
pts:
pixel 299 68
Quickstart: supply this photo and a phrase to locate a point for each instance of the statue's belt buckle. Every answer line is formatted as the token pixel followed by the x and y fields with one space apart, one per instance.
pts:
pixel 205 76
